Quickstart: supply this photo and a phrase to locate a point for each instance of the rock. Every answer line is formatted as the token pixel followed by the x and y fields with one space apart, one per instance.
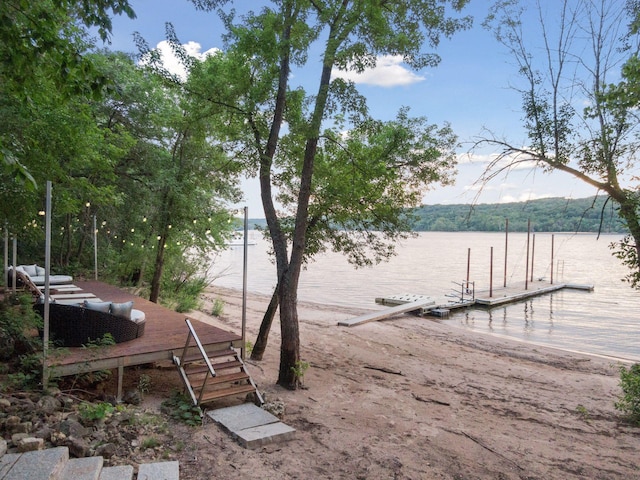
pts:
pixel 106 450
pixel 275 407
pixel 73 428
pixel 22 427
pixel 4 404
pixel 78 447
pixel 132 397
pixel 30 444
pixel 49 404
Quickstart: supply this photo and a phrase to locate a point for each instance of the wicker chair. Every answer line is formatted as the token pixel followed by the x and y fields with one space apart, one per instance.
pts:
pixel 74 326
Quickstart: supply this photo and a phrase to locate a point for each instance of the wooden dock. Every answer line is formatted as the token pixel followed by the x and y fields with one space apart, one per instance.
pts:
pixel 483 299
pixel 165 333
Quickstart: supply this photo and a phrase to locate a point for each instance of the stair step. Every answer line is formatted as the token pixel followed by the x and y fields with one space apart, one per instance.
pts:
pixel 122 472
pixel 230 377
pixel 37 465
pixel 198 357
pixel 210 395
pixel 87 468
pixel 194 369
pixel 159 471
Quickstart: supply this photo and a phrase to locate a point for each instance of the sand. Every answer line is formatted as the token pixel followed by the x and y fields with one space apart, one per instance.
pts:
pixel 410 398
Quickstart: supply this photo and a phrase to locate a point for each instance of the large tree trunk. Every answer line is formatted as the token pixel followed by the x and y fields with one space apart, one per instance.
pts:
pixel 265 327
pixel 157 273
pixel 290 345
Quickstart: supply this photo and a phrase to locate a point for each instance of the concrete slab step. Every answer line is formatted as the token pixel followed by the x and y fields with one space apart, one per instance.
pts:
pixel 36 465
pixel 82 469
pixel 159 471
pixel 251 425
pixel 123 472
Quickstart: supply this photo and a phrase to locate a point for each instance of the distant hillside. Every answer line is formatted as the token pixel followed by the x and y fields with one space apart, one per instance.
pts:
pixel 546 215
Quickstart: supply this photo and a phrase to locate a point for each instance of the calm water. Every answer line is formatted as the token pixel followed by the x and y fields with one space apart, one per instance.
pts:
pixel 605 321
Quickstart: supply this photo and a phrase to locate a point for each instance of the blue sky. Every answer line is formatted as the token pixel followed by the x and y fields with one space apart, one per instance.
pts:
pixel 470 89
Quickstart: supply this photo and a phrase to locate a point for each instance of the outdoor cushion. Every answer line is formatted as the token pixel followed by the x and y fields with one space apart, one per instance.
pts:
pixel 30 270
pixel 122 309
pixel 98 306
pixel 40 271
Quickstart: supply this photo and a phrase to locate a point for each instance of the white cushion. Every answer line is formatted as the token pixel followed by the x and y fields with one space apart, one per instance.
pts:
pixel 39 271
pixel 98 306
pixel 122 309
pixel 30 270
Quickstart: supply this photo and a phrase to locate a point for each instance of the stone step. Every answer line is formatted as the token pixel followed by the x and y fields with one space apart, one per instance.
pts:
pixel 159 471
pixel 55 464
pixel 36 465
pixel 87 468
pixel 124 472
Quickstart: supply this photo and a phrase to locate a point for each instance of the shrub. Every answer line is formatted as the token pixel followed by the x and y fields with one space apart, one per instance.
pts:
pixel 629 401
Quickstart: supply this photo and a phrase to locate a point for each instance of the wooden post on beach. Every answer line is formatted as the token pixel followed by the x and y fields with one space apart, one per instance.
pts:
pixel 491 274
pixel 552 242
pixel 526 275
pixel 506 247
pixel 533 253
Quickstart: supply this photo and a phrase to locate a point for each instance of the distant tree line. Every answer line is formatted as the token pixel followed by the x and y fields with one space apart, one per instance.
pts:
pixel 590 214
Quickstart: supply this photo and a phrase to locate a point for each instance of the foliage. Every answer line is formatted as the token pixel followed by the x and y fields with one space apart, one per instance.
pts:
pixel 144 384
pixel 299 369
pixel 91 413
pixel 338 173
pixel 149 442
pixel 593 214
pixel 218 307
pixel 181 408
pixel 629 401
pixel 596 143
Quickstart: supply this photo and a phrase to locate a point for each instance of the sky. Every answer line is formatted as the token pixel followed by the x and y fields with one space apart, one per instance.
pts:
pixel 470 89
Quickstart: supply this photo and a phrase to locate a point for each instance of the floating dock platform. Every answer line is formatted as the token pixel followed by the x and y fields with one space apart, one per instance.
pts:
pixel 423 304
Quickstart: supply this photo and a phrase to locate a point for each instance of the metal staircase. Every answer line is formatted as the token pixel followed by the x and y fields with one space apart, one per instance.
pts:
pixel 210 376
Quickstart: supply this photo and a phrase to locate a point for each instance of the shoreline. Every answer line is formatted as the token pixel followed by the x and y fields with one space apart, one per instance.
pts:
pixel 410 398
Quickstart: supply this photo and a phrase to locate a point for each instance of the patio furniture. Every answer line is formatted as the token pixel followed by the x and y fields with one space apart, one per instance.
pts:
pixel 77 325
pixel 36 275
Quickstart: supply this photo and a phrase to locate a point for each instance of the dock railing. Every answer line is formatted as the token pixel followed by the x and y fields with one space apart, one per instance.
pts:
pixel 464 291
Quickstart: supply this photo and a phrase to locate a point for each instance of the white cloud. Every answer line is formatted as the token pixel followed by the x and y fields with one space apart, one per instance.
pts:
pixel 173 64
pixel 388 72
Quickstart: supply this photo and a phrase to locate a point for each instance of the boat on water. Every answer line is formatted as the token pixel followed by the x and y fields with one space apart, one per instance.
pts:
pixel 238 240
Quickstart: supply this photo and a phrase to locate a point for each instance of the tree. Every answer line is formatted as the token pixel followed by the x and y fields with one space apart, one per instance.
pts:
pixel 173 180
pixel 323 178
pixel 583 45
pixel 47 39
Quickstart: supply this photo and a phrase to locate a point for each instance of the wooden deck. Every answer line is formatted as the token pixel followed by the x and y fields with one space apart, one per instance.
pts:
pixel 165 333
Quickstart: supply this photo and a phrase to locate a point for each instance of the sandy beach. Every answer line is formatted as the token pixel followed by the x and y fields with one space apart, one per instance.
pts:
pixel 410 398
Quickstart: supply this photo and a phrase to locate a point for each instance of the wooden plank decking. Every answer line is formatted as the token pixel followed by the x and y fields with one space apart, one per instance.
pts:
pixel 165 332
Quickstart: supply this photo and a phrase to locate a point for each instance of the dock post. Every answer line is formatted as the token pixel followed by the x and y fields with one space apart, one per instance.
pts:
pixel 526 275
pixel 533 253
pixel 468 265
pixel 506 246
pixel 552 242
pixel 491 275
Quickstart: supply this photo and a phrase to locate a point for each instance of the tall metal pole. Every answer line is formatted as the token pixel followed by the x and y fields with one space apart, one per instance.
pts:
pixel 491 275
pixel 552 244
pixel 244 283
pixel 15 263
pixel 533 254
pixel 506 248
pixel 468 266
pixel 47 269
pixel 526 275
pixel 95 247
pixel 5 271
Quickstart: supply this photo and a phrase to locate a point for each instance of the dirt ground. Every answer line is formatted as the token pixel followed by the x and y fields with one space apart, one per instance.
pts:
pixel 410 398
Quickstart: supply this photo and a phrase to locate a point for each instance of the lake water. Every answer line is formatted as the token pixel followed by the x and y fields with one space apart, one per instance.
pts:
pixel 605 321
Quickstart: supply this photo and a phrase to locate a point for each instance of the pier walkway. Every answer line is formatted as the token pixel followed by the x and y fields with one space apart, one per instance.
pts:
pixel 480 298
